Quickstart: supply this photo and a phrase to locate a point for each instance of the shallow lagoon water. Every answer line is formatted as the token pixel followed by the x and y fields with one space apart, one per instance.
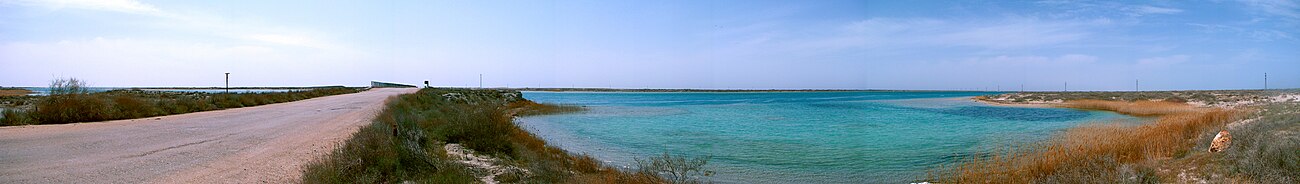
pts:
pixel 798 137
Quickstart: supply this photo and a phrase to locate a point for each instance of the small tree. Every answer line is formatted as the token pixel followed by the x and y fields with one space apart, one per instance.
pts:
pixel 676 169
pixel 70 102
pixel 68 86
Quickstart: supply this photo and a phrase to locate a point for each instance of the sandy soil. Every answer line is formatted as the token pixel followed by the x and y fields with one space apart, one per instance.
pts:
pixel 262 144
pixel 1028 105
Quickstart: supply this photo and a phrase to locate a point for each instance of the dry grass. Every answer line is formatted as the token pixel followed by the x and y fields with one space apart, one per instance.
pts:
pixel 1137 108
pixel 14 92
pixel 1104 153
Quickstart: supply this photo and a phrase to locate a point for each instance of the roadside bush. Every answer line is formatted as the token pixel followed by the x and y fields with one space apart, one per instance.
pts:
pixel 12 117
pixel 132 107
pixel 70 102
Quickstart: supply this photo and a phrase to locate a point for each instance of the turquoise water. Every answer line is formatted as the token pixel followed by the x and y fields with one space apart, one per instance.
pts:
pixel 797 137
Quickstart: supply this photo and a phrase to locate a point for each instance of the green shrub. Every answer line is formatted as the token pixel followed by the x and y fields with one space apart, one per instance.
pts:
pixel 1267 150
pixel 675 168
pixel 69 102
pixel 12 117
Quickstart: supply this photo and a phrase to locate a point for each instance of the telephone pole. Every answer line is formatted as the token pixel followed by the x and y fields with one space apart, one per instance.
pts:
pixel 1265 81
pixel 1067 87
pixel 1135 85
pixel 228 82
pixel 480 80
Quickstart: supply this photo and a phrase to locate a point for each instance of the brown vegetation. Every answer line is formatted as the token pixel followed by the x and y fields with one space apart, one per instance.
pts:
pixel 1105 153
pixel 14 92
pixel 1137 108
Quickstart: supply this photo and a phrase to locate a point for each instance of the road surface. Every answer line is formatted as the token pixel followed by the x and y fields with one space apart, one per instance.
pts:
pixel 262 144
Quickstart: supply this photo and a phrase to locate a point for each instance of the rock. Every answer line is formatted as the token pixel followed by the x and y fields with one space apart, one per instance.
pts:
pixel 1221 141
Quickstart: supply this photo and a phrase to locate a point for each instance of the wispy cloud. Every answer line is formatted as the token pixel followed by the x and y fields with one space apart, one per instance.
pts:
pixel 1144 9
pixel 281 36
pixel 165 62
pixel 1257 34
pixel 1007 33
pixel 1284 8
pixel 125 6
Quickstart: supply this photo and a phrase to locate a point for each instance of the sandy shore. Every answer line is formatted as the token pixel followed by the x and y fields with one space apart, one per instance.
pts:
pixel 1028 105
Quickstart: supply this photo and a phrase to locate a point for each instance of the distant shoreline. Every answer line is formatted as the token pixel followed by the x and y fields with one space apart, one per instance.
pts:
pixel 721 90
pixel 833 90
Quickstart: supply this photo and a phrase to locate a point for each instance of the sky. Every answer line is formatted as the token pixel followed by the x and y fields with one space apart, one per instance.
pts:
pixel 713 44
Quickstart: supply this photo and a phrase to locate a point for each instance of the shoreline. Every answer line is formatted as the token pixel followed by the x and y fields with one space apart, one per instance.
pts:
pixel 1025 105
pixel 1171 114
pixel 722 90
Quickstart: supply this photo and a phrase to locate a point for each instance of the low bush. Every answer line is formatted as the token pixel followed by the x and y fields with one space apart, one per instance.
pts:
pixel 12 117
pixel 1266 150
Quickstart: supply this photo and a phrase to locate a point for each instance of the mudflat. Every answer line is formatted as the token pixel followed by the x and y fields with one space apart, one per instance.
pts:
pixel 267 143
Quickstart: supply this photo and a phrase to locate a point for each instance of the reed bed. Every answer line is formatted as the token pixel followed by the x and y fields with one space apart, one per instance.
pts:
pixel 1136 108
pixel 1098 152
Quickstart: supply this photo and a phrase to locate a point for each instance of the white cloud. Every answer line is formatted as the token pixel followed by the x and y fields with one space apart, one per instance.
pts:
pixel 136 62
pixel 182 22
pixel 1143 10
pixel 125 6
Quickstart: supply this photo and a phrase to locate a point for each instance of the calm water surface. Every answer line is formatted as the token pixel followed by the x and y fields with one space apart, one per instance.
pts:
pixel 797 137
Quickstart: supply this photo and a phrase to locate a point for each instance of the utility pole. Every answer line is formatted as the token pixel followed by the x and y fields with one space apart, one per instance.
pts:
pixel 1067 87
pixel 1135 85
pixel 1266 81
pixel 480 81
pixel 227 82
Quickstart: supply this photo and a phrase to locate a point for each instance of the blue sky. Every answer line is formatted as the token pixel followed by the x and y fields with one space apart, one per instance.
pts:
pixel 657 44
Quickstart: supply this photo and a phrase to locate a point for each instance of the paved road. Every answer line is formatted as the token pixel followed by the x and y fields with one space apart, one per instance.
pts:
pixel 267 143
